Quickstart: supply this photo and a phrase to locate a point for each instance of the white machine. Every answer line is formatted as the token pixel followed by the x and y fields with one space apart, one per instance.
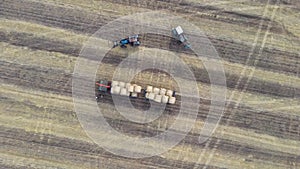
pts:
pixel 180 36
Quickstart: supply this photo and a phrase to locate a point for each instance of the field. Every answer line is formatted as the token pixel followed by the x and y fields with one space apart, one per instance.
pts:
pixel 258 42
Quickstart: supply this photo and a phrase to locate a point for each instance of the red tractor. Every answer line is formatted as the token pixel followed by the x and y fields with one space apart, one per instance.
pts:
pixel 103 87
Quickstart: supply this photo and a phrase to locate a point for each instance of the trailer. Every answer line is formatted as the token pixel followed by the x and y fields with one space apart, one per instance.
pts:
pixel 159 95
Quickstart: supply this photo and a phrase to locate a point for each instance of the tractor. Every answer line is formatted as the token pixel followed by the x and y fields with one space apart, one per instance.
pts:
pixel 180 36
pixel 131 40
pixel 103 87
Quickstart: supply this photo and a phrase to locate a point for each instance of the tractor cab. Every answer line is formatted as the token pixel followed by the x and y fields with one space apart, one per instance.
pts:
pixel 123 43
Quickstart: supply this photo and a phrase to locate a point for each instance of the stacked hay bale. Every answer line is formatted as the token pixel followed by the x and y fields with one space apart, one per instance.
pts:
pixel 160 95
pixel 125 89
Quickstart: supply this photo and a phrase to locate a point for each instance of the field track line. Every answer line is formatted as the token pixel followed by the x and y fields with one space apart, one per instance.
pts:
pixel 236 104
pixel 238 83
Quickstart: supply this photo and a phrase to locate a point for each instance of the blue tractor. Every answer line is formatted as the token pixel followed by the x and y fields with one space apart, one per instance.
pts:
pixel 131 40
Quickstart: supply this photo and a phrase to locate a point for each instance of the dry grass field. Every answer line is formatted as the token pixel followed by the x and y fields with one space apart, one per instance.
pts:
pixel 257 40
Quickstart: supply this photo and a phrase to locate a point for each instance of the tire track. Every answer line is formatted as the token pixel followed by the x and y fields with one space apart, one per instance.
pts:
pixel 50 15
pixel 283 126
pixel 273 60
pixel 81 147
pixel 75 150
pixel 202 11
pixel 68 19
pixel 255 85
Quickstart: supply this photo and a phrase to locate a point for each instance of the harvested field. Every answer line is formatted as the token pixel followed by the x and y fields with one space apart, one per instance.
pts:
pixel 258 42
